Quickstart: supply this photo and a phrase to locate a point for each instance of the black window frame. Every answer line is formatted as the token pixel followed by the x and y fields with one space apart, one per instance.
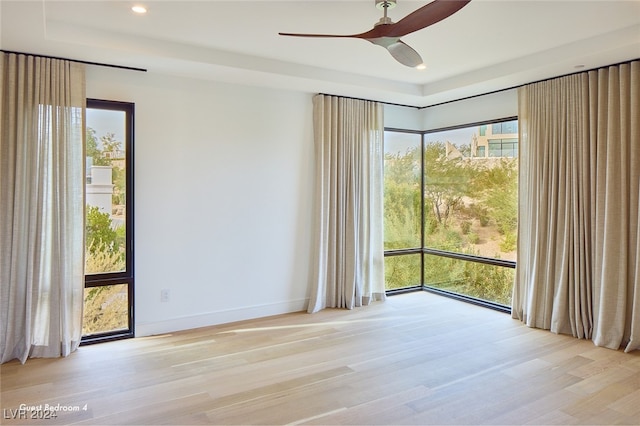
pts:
pixel 126 276
pixel 426 251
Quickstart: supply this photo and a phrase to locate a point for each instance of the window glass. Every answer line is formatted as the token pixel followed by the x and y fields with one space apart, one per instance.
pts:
pixel 504 128
pixel 105 191
pixel 495 148
pixel 463 183
pixel 402 271
pixel 470 203
pixel 510 127
pixel 109 281
pixel 105 309
pixel 482 281
pixel 402 175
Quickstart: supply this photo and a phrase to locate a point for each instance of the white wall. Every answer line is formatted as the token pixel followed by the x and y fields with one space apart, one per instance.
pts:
pixel 223 198
pixel 481 108
pixel 399 117
pixel 473 110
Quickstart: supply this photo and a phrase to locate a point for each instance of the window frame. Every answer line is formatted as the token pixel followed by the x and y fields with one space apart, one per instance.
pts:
pixel 126 276
pixel 426 251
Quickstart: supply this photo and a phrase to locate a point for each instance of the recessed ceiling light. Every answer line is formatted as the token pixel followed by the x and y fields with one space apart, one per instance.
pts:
pixel 139 9
pixel 421 67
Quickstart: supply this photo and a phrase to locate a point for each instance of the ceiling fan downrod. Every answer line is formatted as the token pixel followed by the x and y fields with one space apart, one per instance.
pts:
pixel 385 5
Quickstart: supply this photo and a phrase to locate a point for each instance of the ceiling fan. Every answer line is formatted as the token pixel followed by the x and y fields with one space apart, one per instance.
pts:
pixel 387 34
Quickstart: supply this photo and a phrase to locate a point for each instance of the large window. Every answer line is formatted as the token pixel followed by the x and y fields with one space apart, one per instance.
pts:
pixel 402 206
pixel 451 210
pixel 108 294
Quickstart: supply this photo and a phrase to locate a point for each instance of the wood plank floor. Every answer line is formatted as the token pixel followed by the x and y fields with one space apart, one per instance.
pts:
pixel 417 358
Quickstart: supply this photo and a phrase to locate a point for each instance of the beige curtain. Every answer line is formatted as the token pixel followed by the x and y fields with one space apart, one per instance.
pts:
pixel 579 235
pixel 41 206
pixel 349 268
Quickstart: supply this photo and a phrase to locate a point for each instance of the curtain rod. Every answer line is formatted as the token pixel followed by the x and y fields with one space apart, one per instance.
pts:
pixel 492 92
pixel 532 82
pixel 371 100
pixel 100 64
pixel 348 97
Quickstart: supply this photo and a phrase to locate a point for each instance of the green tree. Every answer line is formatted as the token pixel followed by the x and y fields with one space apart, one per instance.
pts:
pixel 402 225
pixel 92 149
pixel 99 231
pixel 499 196
pixel 457 190
pixel 402 271
pixel 447 181
pixel 119 182
pixel 488 282
pixel 92 144
pixel 110 144
pixel 104 250
pixel 101 258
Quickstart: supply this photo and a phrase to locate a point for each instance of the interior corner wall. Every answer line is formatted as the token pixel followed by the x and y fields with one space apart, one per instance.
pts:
pixel 472 110
pixel 481 108
pixel 402 117
pixel 223 181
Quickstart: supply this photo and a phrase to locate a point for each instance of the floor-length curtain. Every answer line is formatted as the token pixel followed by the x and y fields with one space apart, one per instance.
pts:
pixel 579 235
pixel 349 263
pixel 41 206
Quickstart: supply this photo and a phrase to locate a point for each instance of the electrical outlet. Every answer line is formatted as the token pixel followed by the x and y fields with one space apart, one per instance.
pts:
pixel 164 295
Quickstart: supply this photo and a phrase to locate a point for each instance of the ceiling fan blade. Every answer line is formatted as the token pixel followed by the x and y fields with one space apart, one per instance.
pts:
pixel 427 15
pixel 321 35
pixel 405 54
pixel 387 34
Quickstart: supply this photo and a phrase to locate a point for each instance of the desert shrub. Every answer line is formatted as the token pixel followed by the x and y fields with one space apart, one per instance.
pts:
pixel 102 258
pixel 401 271
pixel 465 227
pixel 508 242
pixel 489 282
pixel 105 309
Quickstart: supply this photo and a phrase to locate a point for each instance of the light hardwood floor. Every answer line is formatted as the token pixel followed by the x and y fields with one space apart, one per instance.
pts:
pixel 415 359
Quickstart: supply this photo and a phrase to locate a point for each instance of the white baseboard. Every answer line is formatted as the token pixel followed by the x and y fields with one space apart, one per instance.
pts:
pixel 219 317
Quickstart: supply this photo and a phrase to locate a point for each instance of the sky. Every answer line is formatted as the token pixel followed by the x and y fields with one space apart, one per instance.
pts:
pixel 106 121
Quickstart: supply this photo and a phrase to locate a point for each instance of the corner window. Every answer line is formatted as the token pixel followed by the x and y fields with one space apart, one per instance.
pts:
pixel 451 212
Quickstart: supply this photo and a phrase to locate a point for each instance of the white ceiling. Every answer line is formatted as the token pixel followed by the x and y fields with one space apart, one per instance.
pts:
pixel 486 46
